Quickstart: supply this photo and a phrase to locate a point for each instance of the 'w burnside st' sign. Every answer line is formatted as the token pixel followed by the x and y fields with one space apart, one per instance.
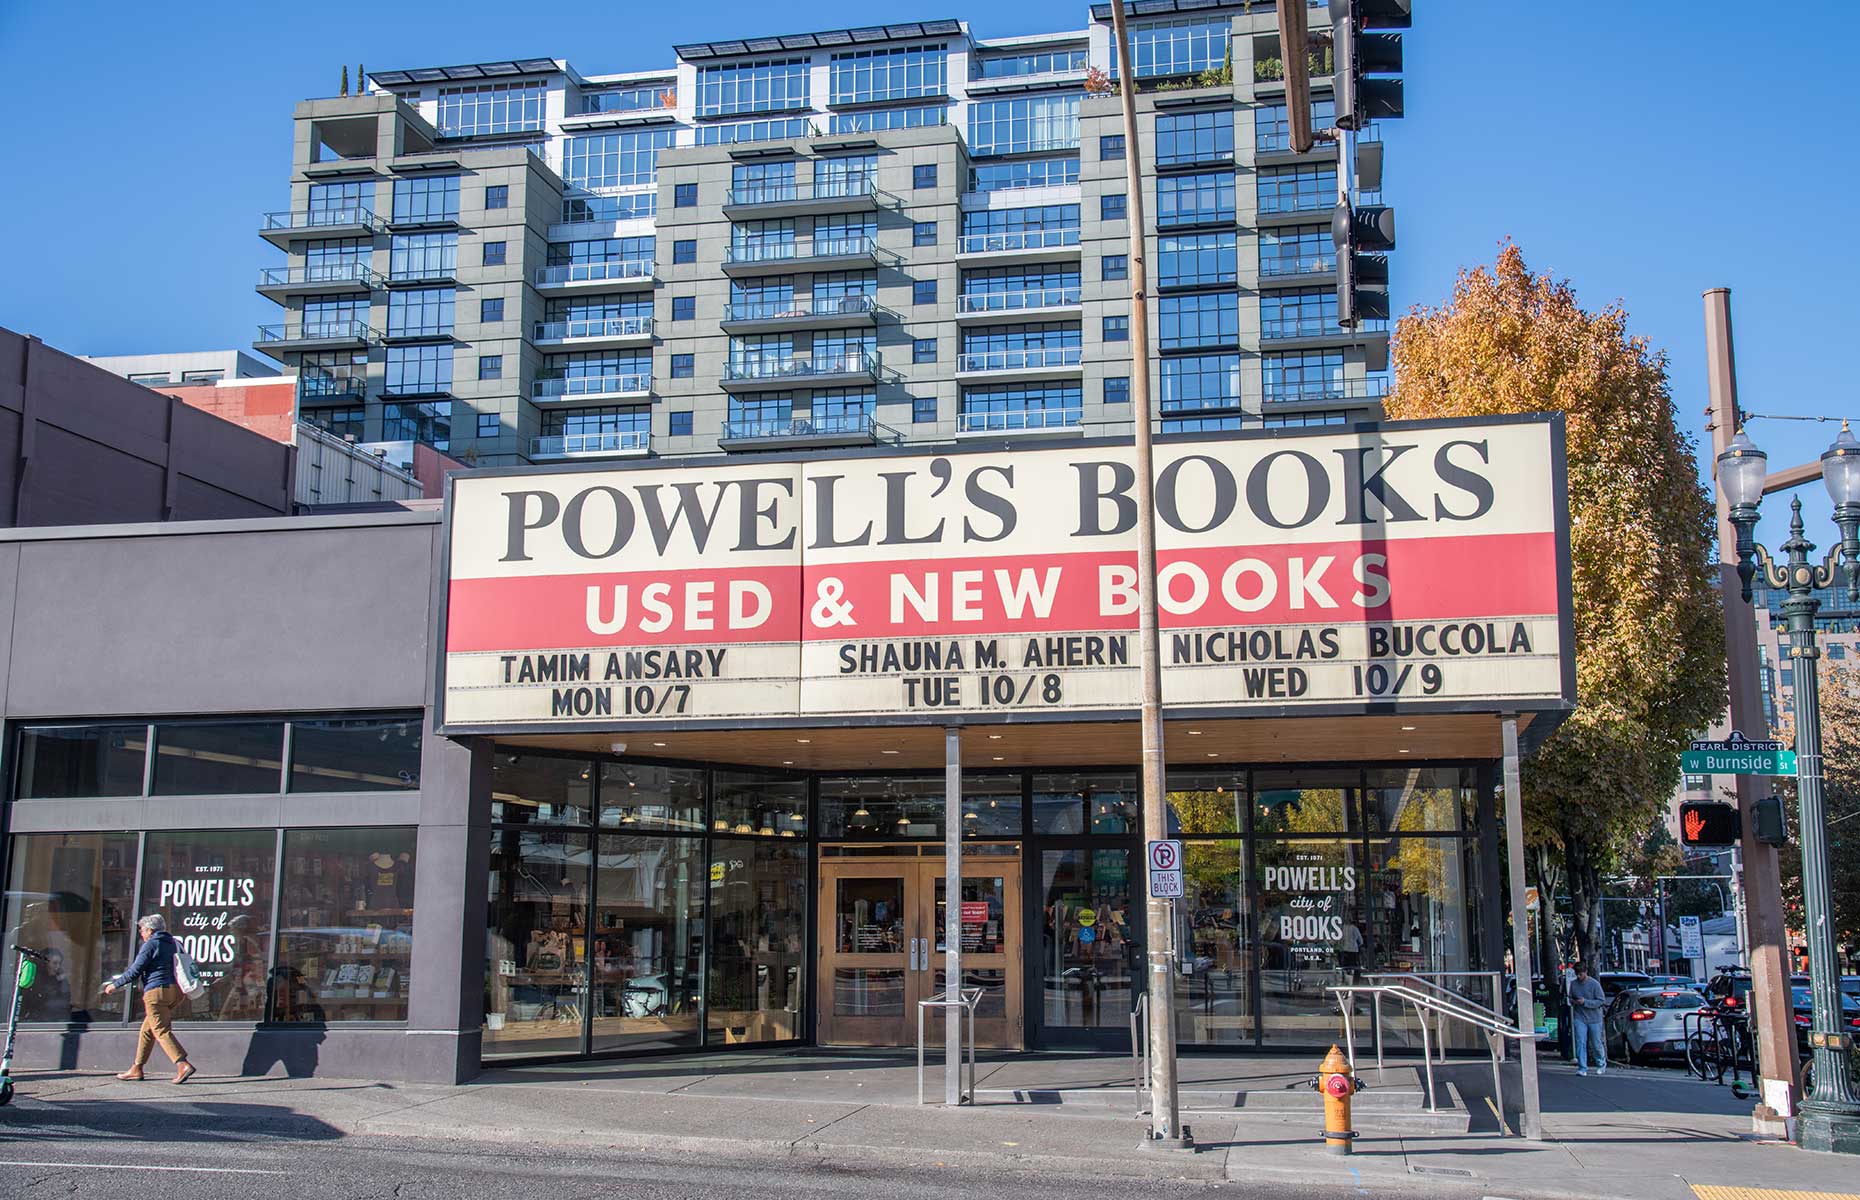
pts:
pixel 1383 569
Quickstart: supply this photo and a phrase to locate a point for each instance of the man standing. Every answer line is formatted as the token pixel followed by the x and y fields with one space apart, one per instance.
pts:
pixel 161 996
pixel 1586 1002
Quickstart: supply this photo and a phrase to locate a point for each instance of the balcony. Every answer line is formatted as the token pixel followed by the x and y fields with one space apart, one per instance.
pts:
pixel 1026 245
pixel 421 274
pixel 1040 362
pixel 1321 332
pixel 1012 306
pixel 1325 392
pixel 283 228
pixel 601 331
pixel 772 199
pixel 592 445
pixel 852 367
pixel 599 111
pixel 1029 420
pixel 1287 271
pixel 805 254
pixel 844 429
pixel 277 282
pixel 1027 81
pixel 1283 208
pixel 591 387
pixel 595 276
pixel 321 388
pixel 293 336
pixel 829 312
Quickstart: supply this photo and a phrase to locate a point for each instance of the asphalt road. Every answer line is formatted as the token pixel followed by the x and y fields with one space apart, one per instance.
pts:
pixel 364 1168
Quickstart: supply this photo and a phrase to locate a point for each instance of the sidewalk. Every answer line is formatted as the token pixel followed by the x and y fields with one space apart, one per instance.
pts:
pixel 1632 1133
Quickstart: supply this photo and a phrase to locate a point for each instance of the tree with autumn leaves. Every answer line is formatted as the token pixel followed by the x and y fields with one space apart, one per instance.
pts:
pixel 1649 631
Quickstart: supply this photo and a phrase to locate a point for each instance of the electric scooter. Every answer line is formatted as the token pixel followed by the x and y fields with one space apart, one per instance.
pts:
pixel 26 976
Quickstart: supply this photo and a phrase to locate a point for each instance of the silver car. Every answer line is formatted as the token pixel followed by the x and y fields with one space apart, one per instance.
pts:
pixel 1645 1023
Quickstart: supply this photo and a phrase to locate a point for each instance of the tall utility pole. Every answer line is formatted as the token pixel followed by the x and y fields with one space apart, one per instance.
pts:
pixel 1159 929
pixel 1771 1006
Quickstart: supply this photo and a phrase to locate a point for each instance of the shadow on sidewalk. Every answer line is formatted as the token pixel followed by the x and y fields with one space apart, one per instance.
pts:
pixel 158 1121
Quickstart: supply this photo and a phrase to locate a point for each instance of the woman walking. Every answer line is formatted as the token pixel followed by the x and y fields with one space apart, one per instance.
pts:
pixel 161 996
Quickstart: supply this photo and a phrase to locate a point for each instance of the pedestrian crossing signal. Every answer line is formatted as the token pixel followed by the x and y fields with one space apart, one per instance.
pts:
pixel 1707 823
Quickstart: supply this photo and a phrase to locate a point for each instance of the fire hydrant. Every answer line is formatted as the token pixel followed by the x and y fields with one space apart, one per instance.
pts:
pixel 1338 1083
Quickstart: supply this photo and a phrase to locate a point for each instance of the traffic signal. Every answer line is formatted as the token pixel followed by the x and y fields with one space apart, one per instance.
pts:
pixel 1362 276
pixel 1766 821
pixel 1360 54
pixel 1708 823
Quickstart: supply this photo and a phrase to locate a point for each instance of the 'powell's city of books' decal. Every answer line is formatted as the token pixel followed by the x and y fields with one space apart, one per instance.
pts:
pixel 1408 565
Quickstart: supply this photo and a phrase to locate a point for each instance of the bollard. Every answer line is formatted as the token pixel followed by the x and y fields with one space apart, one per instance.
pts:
pixel 1338 1083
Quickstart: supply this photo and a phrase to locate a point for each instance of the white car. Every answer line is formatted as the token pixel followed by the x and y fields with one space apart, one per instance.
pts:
pixel 1644 1023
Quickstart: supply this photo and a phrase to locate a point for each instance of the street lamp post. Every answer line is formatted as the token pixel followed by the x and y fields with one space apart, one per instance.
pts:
pixel 1830 1116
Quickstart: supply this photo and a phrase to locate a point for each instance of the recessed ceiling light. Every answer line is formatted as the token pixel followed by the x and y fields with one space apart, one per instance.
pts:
pixel 659 744
pixel 787 762
pixel 1404 750
pixel 1213 754
pixel 804 741
pixel 887 751
pixel 1194 733
pixel 999 758
pixel 1407 729
pixel 994 737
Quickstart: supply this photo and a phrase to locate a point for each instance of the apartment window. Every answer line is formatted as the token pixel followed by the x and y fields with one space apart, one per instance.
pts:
pixel 1272 128
pixel 864 76
pixel 1195 199
pixel 880 119
pixel 1036 218
pixel 752 131
pixel 1117 389
pixel 490 366
pixel 1022 287
pixel 1117 329
pixel 1021 406
pixel 923 350
pixel 1198 319
pixel 429 423
pixel 428 200
pixel 762 182
pixel 923 291
pixel 494 254
pixel 331 198
pixel 420 312
pixel 923 233
pixel 684 251
pixel 684 308
pixel 1206 136
pixel 335 258
pixel 764 85
pixel 497 196
pixel 488 108
pixel 623 206
pixel 1303 312
pixel 644 98
pixel 923 410
pixel 1199 259
pixel 684 195
pixel 345 422
pixel 1027 173
pixel 1199 381
pixel 1296 251
pixel 584 422
pixel 419 371
pixel 679 424
pixel 1111 207
pixel 1023 125
pixel 923 175
pixel 1046 62
pixel 489 424
pixel 684 366
pixel 1298 189
pixel 606 160
pixel 839 285
pixel 1116 266
pixel 152 378
pixel 846 175
pixel 414 256
pixel 490 310
pixel 1184 47
pixel 1302 375
pixel 1111 147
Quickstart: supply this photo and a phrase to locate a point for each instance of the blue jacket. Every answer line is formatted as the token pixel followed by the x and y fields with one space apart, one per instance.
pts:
pixel 153 965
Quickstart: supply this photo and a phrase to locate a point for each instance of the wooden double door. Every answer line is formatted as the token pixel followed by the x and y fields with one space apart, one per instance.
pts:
pixel 882 946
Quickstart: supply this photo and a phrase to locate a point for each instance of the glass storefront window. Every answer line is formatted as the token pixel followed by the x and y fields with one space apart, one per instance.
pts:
pixel 912 807
pixel 1310 934
pixel 1305 801
pixel 1086 803
pixel 1214 988
pixel 1207 802
pixel 642 797
pixel 71 895
pixel 1423 897
pixel 345 936
pixel 535 789
pixel 1091 939
pixel 536 944
pixel 771 807
pixel 218 758
pixel 60 761
pixel 647 942
pixel 215 890
pixel 364 754
pixel 1423 800
pixel 758 920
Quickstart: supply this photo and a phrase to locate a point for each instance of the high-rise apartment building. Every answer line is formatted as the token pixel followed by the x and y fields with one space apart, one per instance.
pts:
pixel 900 233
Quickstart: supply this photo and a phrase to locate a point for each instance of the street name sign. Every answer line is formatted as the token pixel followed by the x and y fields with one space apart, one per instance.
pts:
pixel 1737 755
pixel 1165 860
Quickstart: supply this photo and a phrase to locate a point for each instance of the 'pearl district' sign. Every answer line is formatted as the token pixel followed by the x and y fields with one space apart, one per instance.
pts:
pixel 1380 568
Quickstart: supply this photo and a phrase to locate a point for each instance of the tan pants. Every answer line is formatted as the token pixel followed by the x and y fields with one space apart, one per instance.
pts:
pixel 158 1006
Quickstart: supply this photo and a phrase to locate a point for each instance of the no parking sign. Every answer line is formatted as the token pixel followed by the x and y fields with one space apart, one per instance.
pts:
pixel 1165 860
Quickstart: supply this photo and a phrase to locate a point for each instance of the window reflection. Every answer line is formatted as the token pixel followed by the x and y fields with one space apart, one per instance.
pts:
pixel 536 945
pixel 647 942
pixel 1090 945
pixel 71 895
pixel 758 921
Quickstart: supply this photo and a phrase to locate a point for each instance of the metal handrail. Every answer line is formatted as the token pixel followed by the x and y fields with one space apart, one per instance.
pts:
pixel 1031 359
pixel 1140 1047
pixel 787 191
pixel 1019 239
pixel 856 305
pixel 856 245
pixel 595 272
pixel 1496 1030
pixel 593 327
pixel 987 302
pixel 966 999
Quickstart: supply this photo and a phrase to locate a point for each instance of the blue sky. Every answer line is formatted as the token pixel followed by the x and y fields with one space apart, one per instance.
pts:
pixel 1646 150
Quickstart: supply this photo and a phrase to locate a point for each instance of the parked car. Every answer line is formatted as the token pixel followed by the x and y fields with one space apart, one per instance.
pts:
pixel 1803 1002
pixel 1672 981
pixel 1645 1023
pixel 1729 989
pixel 1616 982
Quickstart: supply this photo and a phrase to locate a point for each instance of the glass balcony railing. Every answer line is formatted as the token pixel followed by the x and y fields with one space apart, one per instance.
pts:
pixel 321 218
pixel 319 331
pixel 579 386
pixel 1024 239
pixel 1321 200
pixel 595 272
pixel 423 272
pixel 853 187
pixel 850 425
pixel 320 274
pixel 574 445
pixel 1315 325
pixel 319 387
pixel 1014 421
pixel 824 306
pixel 819 366
pixel 994 302
pixel 857 246
pixel 640 101
pixel 1296 391
pixel 599 327
pixel 1298 264
pixel 1020 360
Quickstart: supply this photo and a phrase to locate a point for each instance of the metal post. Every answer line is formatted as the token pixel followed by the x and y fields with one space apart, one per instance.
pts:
pixel 1772 1011
pixel 1165 1113
pixel 1533 1124
pixel 952 914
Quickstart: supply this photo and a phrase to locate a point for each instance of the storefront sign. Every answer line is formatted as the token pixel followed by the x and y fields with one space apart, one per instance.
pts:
pixel 1308 902
pixel 1421 565
pixel 203 911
